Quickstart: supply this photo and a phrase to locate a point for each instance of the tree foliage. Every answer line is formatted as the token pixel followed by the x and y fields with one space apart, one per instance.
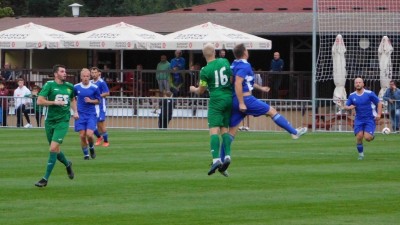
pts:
pixel 53 8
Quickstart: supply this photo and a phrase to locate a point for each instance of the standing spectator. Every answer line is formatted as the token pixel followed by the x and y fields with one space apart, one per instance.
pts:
pixel 368 110
pixel 276 66
pixel 222 53
pixel 163 75
pixel 37 109
pixel 166 106
pixel 216 75
pixel 87 96
pixel 8 74
pixel 21 99
pixel 3 104
pixel 392 95
pixel 101 108
pixel 58 96
pixel 178 63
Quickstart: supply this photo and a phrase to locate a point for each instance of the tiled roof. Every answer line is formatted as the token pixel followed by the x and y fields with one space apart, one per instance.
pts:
pixel 250 6
pixel 262 23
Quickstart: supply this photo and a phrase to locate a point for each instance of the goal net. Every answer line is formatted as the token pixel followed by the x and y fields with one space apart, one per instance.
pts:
pixel 366 35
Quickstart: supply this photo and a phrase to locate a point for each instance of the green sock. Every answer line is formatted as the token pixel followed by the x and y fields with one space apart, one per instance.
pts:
pixel 61 158
pixel 227 141
pixel 214 143
pixel 50 164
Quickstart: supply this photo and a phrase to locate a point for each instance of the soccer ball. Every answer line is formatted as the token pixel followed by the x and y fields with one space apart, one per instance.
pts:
pixel 386 130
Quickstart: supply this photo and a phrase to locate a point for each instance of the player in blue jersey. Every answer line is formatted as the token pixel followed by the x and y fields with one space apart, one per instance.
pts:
pixel 244 103
pixel 368 110
pixel 101 131
pixel 88 96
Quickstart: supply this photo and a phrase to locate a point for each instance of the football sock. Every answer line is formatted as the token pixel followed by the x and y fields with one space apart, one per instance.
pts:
pixel 223 147
pixel 282 122
pixel 96 132
pixel 360 149
pixel 214 144
pixel 50 164
pixel 62 159
pixel 226 142
pixel 91 144
pixel 85 151
pixel 105 136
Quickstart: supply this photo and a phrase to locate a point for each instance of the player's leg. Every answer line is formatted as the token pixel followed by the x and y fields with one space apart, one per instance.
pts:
pixel 359 133
pixel 91 126
pixel 369 130
pixel 214 148
pixel 101 126
pixel 80 127
pixel 282 122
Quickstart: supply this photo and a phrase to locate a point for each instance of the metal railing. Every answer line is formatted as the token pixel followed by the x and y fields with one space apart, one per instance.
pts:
pixel 191 114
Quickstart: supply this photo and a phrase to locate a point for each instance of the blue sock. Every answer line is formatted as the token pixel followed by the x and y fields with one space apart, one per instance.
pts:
pixel 96 132
pixel 282 122
pixel 85 151
pixel 223 148
pixel 105 136
pixel 360 148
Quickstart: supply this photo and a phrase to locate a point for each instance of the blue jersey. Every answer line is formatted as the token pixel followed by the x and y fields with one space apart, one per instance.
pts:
pixel 241 68
pixel 81 91
pixel 103 88
pixel 365 104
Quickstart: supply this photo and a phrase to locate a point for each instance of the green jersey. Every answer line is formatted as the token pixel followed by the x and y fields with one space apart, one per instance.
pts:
pixel 58 92
pixel 216 76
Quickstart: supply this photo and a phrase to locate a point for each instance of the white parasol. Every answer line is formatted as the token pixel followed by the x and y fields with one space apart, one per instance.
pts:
pixel 31 36
pixel 196 37
pixel 339 70
pixel 385 64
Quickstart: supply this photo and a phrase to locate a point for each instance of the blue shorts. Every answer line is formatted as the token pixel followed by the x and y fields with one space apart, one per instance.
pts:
pixel 101 116
pixel 367 126
pixel 255 107
pixel 86 122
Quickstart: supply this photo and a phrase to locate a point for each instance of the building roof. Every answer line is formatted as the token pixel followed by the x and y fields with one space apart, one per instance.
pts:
pixel 250 6
pixel 277 17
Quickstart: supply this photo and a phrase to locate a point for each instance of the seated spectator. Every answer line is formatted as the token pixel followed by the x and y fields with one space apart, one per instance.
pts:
pixel 107 75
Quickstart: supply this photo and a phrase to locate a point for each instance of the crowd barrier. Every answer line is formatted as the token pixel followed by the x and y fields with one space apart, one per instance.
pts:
pixel 191 114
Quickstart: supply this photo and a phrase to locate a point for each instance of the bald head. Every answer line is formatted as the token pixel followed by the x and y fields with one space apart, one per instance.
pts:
pixel 358 84
pixel 209 52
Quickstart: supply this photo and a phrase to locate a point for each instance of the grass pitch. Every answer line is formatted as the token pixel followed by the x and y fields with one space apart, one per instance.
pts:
pixel 160 177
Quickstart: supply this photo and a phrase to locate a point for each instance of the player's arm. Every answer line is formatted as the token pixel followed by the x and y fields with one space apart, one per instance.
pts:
pixel 201 89
pixel 106 91
pixel 74 108
pixel 261 88
pixel 379 110
pixel 43 101
pixel 239 92
pixel 349 105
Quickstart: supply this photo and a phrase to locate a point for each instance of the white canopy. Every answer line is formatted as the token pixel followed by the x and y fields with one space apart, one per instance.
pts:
pixel 385 64
pixel 339 69
pixel 117 36
pixel 196 37
pixel 31 36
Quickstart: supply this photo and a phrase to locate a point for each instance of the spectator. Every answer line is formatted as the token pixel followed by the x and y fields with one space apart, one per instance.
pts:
pixel 21 100
pixel 392 96
pixel 107 75
pixel 222 53
pixel 166 106
pixel 276 66
pixel 8 74
pixel 3 104
pixel 163 75
pixel 37 109
pixel 178 63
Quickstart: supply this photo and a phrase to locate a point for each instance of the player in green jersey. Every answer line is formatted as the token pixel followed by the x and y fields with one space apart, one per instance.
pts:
pixel 216 76
pixel 58 96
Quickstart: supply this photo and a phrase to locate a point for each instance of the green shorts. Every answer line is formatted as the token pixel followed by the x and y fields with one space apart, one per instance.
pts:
pixel 56 130
pixel 219 112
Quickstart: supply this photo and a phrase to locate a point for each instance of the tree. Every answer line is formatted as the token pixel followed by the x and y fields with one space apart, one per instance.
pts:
pixel 6 11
